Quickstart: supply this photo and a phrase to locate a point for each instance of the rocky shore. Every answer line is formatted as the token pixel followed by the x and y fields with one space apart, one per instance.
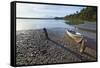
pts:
pixel 32 47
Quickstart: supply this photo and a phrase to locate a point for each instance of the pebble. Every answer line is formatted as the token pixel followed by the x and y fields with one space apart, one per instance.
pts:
pixel 34 50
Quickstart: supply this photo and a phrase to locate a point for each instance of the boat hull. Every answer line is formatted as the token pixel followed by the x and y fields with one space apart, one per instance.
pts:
pixel 77 38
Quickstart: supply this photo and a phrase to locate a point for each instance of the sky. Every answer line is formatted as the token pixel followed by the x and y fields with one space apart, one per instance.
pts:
pixel 45 11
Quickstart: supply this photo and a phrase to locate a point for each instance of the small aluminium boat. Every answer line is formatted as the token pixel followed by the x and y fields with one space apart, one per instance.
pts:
pixel 75 35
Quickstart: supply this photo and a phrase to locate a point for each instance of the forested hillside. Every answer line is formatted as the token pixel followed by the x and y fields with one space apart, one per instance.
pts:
pixel 86 14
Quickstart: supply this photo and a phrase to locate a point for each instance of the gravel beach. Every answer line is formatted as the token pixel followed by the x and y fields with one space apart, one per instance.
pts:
pixel 32 47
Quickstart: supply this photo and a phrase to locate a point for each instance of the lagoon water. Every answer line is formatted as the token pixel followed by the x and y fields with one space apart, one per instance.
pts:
pixel 31 24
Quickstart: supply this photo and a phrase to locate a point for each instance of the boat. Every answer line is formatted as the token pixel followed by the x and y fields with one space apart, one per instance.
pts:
pixel 76 36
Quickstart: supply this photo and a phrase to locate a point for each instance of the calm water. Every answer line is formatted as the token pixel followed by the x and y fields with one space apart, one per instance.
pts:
pixel 60 25
pixel 27 24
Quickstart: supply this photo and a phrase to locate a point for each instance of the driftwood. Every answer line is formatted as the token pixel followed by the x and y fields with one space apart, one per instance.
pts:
pixel 46 33
pixel 83 46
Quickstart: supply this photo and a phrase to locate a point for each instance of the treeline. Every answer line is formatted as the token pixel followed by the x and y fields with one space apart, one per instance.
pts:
pixel 59 18
pixel 86 14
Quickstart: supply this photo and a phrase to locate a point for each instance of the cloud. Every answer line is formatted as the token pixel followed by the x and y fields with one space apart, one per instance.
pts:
pixel 41 10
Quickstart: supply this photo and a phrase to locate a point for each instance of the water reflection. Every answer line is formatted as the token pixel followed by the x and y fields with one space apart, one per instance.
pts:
pixel 27 24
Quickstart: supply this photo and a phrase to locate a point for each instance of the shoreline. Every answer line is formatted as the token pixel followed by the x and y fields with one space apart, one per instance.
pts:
pixel 88 26
pixel 34 48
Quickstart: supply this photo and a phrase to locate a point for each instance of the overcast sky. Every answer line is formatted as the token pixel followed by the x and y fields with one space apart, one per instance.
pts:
pixel 45 11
